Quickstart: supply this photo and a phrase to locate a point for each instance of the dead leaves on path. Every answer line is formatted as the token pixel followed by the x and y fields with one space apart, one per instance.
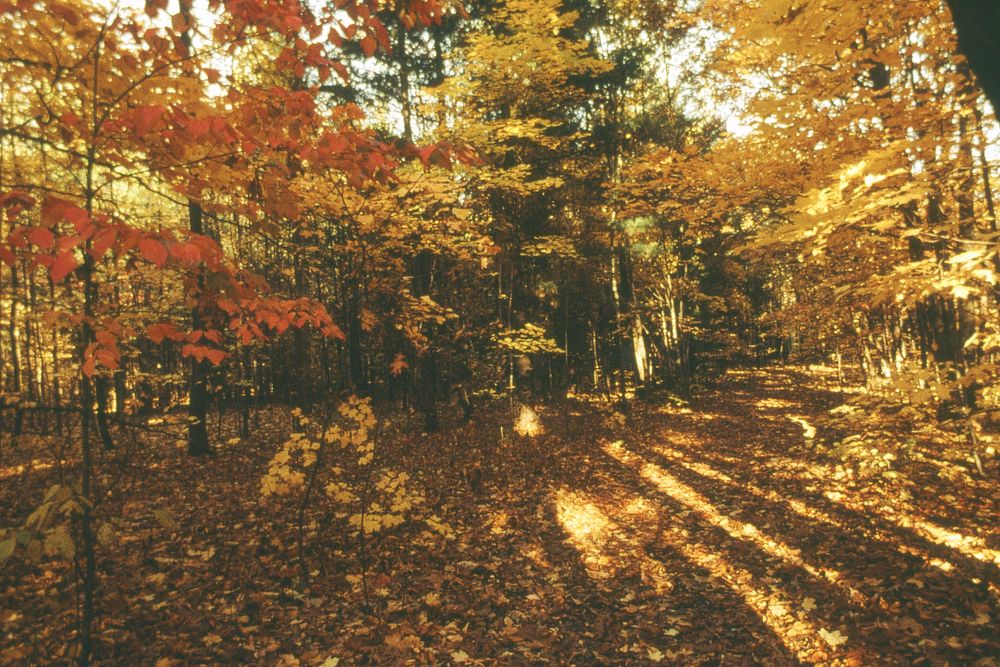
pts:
pixel 704 532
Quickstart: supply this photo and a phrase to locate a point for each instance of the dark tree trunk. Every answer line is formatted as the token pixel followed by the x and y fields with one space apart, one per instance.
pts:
pixel 978 24
pixel 198 397
pixel 102 386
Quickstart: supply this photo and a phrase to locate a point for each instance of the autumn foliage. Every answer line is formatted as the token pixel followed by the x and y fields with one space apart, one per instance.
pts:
pixel 398 271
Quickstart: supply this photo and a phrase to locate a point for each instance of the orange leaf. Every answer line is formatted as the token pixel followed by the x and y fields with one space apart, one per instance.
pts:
pixel 179 23
pixel 63 265
pixel 153 251
pixel 41 237
pixel 368 45
pixel 103 240
pixel 215 356
pixel 398 365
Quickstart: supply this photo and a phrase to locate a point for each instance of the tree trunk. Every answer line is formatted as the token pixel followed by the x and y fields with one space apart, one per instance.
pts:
pixel 198 397
pixel 978 24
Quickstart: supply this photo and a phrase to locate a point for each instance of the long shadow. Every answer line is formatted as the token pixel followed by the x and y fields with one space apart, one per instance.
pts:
pixel 790 386
pixel 876 569
pixel 769 437
pixel 796 488
pixel 953 590
pixel 866 628
pixel 716 620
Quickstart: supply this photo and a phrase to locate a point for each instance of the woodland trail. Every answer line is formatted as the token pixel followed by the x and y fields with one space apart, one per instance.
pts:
pixel 703 535
pixel 711 535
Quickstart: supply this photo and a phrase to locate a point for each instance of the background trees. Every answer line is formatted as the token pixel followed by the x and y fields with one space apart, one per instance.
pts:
pixel 237 205
pixel 163 169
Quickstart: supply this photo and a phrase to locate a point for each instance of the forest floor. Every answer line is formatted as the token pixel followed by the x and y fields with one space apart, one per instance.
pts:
pixel 706 534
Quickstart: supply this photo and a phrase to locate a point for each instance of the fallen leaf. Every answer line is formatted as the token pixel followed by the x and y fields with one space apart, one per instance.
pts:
pixel 834 638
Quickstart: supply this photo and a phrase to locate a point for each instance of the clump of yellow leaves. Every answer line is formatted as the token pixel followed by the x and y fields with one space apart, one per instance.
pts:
pixel 381 499
pixel 359 420
pixel 285 472
pixel 529 339
pixel 395 500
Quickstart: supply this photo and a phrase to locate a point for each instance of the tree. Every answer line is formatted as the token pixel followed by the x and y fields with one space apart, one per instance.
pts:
pixel 977 23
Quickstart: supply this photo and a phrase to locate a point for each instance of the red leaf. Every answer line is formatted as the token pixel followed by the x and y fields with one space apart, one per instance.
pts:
pixel 77 217
pixel 42 237
pixel 245 334
pixel 215 356
pixel 106 338
pixel 341 71
pixel 153 251
pixel 63 265
pixel 196 351
pixel 144 118
pixel 228 305
pixel 381 34
pixel 6 256
pixel 426 153
pixel 16 198
pixel 68 242
pixel 54 210
pixel 103 240
pixel 164 330
pixel 188 253
pixel 198 127
pixel 108 356
pixel 333 331
pixel 368 45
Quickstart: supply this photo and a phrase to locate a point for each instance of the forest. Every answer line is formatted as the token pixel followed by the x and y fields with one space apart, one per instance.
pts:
pixel 499 332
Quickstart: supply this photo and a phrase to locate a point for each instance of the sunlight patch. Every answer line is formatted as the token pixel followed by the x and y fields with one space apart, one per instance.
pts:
pixel 969 545
pixel 588 529
pixel 606 549
pixel 775 403
pixel 808 430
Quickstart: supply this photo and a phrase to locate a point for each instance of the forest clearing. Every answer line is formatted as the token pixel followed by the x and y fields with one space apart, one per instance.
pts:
pixel 499 332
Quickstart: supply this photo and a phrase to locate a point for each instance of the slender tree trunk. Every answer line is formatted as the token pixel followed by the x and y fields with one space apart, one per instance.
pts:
pixel 15 355
pixel 198 396
pixel 102 386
